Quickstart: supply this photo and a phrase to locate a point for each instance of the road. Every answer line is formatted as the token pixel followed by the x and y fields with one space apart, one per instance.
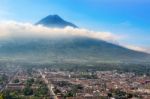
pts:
pixel 49 85
pixel 9 81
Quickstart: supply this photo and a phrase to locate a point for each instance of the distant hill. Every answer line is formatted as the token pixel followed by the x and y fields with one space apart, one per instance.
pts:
pixel 76 50
pixel 55 21
pixel 68 49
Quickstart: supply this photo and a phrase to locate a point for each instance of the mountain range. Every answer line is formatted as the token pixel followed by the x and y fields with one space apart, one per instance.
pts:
pixel 68 49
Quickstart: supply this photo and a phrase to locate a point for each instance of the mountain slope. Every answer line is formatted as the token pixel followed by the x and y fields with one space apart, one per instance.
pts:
pixel 76 49
pixel 72 49
pixel 55 21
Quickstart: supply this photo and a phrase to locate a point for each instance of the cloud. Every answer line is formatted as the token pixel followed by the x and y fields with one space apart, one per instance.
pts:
pixel 137 48
pixel 12 29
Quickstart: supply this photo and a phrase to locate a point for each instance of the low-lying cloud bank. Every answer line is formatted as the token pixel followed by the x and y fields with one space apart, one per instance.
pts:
pixel 12 29
pixel 15 29
pixel 137 48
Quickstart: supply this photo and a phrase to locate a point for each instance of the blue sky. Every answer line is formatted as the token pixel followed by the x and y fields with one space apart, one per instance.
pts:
pixel 123 17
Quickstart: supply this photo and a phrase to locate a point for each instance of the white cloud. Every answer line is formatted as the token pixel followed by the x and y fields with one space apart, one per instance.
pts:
pixel 12 29
pixel 137 48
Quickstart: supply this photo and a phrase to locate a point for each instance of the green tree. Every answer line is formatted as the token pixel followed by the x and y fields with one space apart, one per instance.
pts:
pixel 69 94
pixel 16 81
pixel 129 95
pixel 30 82
pixel 27 91
pixel 109 95
pixel 1 96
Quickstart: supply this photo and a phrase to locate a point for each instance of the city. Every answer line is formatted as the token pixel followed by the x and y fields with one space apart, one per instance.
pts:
pixel 54 83
pixel 74 49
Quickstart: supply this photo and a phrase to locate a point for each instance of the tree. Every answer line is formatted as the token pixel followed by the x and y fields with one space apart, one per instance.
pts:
pixel 14 95
pixel 1 96
pixel 69 94
pixel 30 82
pixel 6 95
pixel 109 94
pixel 41 91
pixel 27 91
pixel 57 91
pixel 129 95
pixel 16 81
